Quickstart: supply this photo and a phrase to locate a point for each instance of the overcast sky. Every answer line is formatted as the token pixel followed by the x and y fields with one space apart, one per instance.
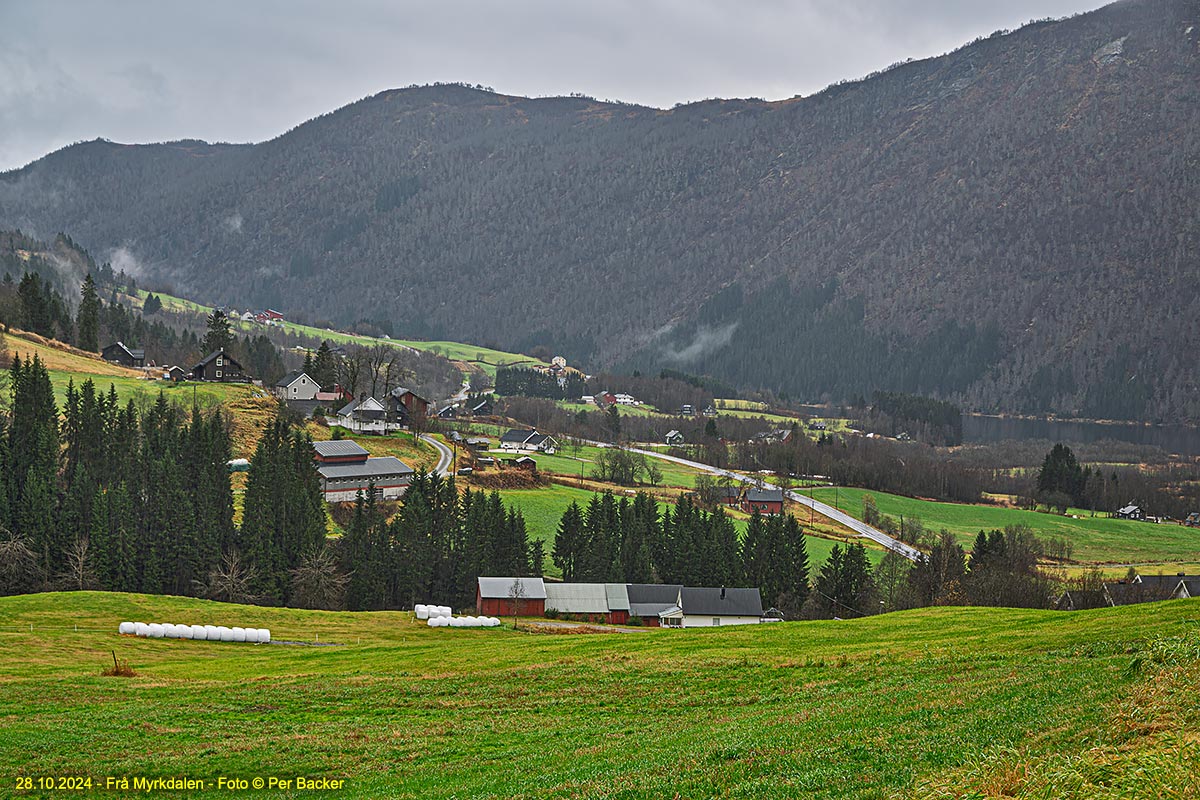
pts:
pixel 251 69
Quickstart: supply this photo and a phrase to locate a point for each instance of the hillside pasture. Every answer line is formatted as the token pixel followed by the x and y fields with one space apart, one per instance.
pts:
pixel 1098 539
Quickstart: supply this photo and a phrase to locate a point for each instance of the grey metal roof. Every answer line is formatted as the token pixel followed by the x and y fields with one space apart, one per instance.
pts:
pixel 371 468
pixel 576 598
pixel 499 588
pixel 764 496
pixel 653 592
pixel 618 596
pixel 339 448
pixel 648 609
pixel 651 599
pixel 290 378
pixel 517 435
pixel 717 602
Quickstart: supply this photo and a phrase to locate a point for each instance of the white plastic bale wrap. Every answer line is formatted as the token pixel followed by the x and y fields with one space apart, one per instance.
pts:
pixel 264 635
pixel 432 622
pixel 226 634
pixel 199 632
pixel 239 634
pixel 421 610
pixel 213 635
pixel 455 622
pixel 155 630
pixel 184 631
pixel 141 629
pixel 126 628
pixel 169 631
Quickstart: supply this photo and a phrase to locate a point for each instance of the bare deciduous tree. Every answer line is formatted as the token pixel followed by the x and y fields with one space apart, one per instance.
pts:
pixel 230 581
pixel 77 574
pixel 318 583
pixel 16 563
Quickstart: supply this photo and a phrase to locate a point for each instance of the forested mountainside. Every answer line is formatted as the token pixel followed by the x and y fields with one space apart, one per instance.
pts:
pixel 1014 226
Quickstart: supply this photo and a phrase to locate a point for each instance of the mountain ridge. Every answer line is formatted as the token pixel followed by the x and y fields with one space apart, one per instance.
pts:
pixel 978 226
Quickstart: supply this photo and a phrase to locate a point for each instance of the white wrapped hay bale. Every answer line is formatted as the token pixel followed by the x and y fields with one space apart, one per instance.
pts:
pixel 126 628
pixel 252 635
pixel 184 631
pixel 141 629
pixel 493 622
pixel 421 610
pixel 239 634
pixel 225 634
pixel 200 632
pixel 264 635
pixel 455 622
pixel 473 622
pixel 213 634
pixel 432 622
pixel 169 631
pixel 155 630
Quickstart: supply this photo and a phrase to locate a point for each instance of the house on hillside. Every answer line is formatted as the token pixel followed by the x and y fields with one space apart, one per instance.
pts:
pixel 1193 520
pixel 674 438
pixel 700 607
pixel 296 385
pixel 528 439
pixel 406 407
pixel 118 353
pixel 773 437
pixel 523 462
pixel 765 501
pixel 1131 512
pixel 219 367
pixel 449 412
pixel 687 410
pixel 498 597
pixel 347 469
pixel 176 373
pixel 648 600
pixel 482 408
pixel 365 415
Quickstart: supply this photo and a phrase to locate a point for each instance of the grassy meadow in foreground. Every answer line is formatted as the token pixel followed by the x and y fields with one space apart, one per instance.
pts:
pixel 934 703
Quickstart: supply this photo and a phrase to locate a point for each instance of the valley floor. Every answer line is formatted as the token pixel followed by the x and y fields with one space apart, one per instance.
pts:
pixel 945 702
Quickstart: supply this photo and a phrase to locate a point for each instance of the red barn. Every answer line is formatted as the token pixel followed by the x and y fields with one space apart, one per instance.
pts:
pixel 764 501
pixel 507 597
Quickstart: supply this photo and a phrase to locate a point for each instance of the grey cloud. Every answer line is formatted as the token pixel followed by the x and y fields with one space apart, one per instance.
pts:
pixel 224 71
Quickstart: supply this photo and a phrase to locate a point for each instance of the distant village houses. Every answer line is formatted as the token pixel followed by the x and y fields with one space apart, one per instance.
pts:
pixel 529 440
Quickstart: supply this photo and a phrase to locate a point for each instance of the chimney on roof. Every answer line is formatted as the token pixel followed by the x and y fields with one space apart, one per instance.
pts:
pixel 722 592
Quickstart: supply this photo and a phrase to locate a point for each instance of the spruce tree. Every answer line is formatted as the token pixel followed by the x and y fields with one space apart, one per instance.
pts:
pixel 87 320
pixel 218 335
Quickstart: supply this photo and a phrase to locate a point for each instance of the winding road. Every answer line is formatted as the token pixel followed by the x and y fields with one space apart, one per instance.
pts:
pixel 445 455
pixel 825 510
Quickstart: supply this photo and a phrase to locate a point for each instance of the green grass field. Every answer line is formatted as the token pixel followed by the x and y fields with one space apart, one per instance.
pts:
pixel 935 703
pixel 1094 539
pixel 455 351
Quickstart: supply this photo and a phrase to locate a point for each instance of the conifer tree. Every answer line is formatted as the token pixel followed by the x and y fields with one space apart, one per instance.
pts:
pixel 87 320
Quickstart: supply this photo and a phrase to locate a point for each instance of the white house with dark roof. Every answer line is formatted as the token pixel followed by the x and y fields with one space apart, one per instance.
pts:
pixel 528 439
pixel 704 607
pixel 366 415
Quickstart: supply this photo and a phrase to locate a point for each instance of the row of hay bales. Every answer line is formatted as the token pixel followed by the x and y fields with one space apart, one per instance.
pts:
pixel 463 622
pixel 211 633
pixel 429 612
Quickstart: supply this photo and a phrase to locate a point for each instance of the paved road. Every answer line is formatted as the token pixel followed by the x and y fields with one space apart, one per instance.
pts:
pixel 859 527
pixel 445 455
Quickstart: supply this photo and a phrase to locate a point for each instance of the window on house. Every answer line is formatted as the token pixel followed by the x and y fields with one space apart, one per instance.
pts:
pixel 218 373
pixel 716 622
pixel 219 362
